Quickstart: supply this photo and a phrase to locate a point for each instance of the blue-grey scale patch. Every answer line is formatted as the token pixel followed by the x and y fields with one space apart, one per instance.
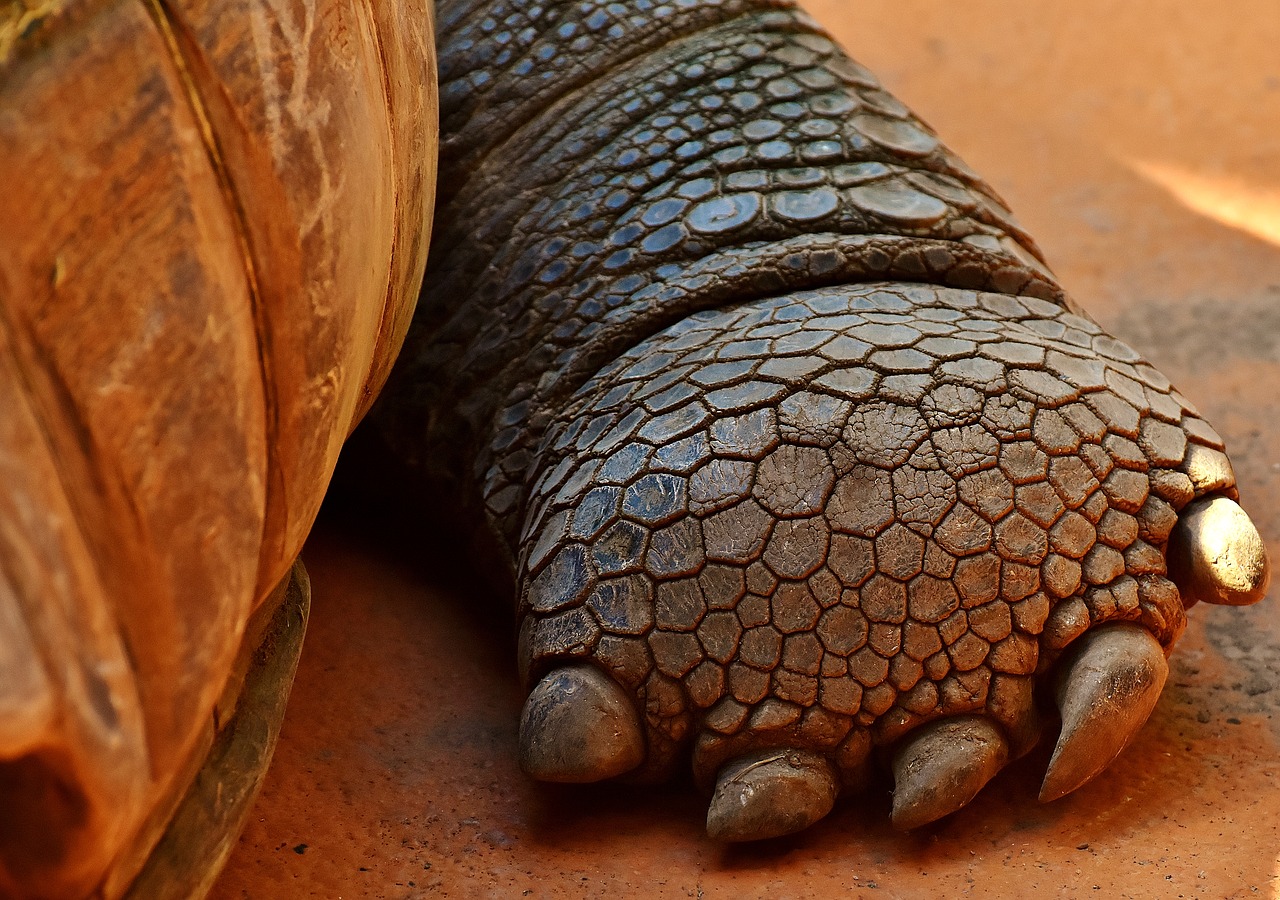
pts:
pixel 623 465
pixel 619 548
pixel 805 206
pixel 762 129
pixel 674 424
pixel 619 432
pixel 896 134
pixel 886 336
pixel 904 360
pixel 597 509
pixel 664 238
pixel 849 174
pixel 723 372
pixel 748 436
pixel 672 397
pixel 947 347
pixel 572 632
pixel 897 201
pixel 549 534
pixel 697 188
pixel 854 383
pixel 655 498
pixel 775 150
pixel 563 582
pixel 721 214
pixel 676 550
pixel 802 176
pixel 775 330
pixel 821 151
pixel 801 342
pixel 844 349
pixel 751 180
pixel 744 396
pixel 743 349
pixel 792 369
pixel 623 605
pixel 721 483
pixel 579 482
pixel 554 477
pixel 684 455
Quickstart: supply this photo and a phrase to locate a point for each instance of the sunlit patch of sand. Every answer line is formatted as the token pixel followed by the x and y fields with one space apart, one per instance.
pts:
pixel 1247 206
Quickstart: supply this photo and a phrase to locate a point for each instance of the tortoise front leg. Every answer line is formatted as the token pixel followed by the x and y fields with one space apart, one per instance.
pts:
pixel 800 458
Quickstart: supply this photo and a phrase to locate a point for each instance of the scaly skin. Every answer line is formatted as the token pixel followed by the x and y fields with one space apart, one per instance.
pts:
pixel 776 415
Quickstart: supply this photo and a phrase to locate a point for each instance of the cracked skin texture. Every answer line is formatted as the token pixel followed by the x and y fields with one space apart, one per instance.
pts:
pixel 774 412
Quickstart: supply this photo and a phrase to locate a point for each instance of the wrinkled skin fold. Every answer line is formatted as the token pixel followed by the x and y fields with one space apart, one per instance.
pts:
pixel 794 448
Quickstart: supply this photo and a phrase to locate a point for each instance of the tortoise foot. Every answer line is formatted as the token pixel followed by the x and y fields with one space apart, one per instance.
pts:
pixel 858 526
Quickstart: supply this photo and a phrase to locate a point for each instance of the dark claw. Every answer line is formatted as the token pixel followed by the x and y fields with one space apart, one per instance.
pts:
pixel 1216 554
pixel 770 794
pixel 941 767
pixel 579 726
pixel 1106 691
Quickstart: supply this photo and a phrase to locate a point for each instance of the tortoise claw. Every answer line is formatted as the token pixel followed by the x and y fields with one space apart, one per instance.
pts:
pixel 941 767
pixel 1216 554
pixel 770 794
pixel 1106 691
pixel 578 725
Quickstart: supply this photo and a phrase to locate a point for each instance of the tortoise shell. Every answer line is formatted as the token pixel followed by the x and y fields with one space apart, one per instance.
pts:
pixel 215 223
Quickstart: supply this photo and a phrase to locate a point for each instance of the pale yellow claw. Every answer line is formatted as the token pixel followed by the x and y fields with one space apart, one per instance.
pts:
pixel 1107 689
pixel 1216 554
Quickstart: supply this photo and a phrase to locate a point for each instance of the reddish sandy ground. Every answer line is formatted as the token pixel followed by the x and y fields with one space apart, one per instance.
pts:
pixel 1141 144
